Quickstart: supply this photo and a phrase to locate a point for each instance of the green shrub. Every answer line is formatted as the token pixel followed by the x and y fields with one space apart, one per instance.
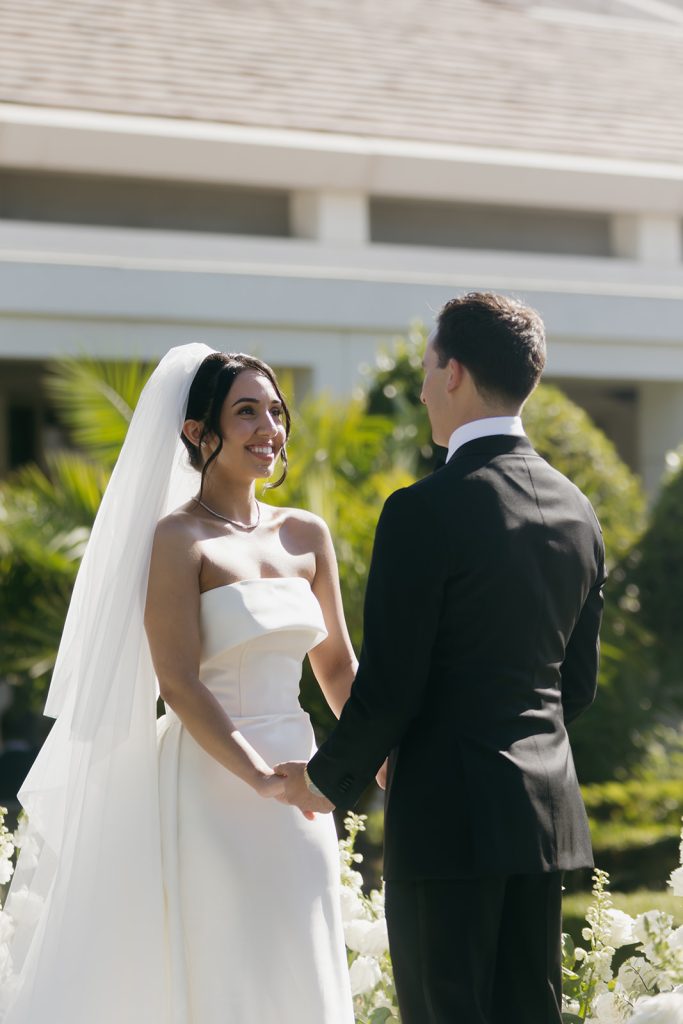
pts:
pixel 567 437
pixel 658 574
pixel 657 802
pixel 393 386
pixel 635 828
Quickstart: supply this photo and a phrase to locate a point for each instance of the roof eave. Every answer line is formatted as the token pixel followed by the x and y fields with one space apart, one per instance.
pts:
pixel 86 142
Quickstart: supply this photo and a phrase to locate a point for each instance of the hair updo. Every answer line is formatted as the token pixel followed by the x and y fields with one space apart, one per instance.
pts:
pixel 208 391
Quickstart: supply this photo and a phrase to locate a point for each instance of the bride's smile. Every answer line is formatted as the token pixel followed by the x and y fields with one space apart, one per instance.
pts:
pixel 252 430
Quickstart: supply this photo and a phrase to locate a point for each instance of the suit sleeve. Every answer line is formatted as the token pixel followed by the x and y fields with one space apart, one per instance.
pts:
pixel 402 607
pixel 581 661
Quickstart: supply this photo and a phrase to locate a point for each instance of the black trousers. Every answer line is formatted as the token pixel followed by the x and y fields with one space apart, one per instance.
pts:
pixel 477 950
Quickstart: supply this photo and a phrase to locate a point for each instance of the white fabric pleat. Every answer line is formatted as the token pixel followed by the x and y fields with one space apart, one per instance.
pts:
pixel 169 734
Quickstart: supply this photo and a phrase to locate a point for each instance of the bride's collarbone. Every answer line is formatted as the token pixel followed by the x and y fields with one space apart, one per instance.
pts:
pixel 219 572
pixel 235 557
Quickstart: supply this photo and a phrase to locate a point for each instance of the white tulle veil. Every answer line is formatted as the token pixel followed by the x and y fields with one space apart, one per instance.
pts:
pixel 85 913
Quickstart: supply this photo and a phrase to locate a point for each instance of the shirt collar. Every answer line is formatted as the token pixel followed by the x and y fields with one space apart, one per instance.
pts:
pixel 489 427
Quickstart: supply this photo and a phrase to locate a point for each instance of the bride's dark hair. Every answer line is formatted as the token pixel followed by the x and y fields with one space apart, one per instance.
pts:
pixel 209 389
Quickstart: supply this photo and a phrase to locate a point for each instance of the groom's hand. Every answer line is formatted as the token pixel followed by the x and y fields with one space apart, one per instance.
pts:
pixel 297 792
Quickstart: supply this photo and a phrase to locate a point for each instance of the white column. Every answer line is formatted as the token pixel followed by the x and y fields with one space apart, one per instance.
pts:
pixel 660 429
pixel 330 216
pixel 647 237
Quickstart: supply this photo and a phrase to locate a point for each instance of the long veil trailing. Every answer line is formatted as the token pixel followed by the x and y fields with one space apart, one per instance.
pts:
pixel 86 906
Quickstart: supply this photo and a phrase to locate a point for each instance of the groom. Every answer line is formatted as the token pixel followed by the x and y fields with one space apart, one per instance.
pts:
pixel 482 613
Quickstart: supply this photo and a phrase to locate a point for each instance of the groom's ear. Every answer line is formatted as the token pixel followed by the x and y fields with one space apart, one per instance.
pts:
pixel 455 373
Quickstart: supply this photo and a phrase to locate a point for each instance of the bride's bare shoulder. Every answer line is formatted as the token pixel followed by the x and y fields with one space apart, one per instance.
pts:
pixel 177 534
pixel 305 525
pixel 174 570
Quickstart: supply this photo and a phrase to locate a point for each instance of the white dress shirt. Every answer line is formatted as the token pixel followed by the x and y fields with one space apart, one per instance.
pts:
pixel 489 427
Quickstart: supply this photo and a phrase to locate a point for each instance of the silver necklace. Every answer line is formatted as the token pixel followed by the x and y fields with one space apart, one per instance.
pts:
pixel 240 526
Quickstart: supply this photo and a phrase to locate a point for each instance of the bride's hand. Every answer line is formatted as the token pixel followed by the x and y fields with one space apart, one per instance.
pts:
pixel 271 787
pixel 381 776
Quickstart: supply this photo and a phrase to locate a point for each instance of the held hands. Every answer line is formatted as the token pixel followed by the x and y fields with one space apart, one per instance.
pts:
pixel 288 785
pixel 297 793
pixel 270 787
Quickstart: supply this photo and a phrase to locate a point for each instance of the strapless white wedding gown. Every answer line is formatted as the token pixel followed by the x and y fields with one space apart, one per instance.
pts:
pixel 251 887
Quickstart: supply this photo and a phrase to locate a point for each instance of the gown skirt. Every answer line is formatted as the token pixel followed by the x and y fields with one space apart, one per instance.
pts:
pixel 251 887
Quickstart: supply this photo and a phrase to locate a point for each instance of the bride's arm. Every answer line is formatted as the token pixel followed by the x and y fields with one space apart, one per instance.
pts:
pixel 172 625
pixel 333 661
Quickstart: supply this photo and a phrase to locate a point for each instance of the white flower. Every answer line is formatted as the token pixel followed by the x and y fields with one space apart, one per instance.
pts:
pixel 676 881
pixel 367 937
pixel 636 977
pixel 352 906
pixel 354 932
pixel 377 902
pixel 665 1008
pixel 364 973
pixel 6 850
pixel 377 938
pixel 6 870
pixel 653 924
pixel 619 929
pixel 24 906
pixel 606 1009
pixel 676 939
pixel 21 831
pixel 351 879
pixel 26 841
pixel 601 964
pixel 381 1000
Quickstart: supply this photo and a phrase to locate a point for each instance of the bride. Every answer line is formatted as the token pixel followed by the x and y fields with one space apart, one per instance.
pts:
pixel 165 882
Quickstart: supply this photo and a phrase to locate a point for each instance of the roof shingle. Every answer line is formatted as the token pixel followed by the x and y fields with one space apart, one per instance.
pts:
pixel 519 75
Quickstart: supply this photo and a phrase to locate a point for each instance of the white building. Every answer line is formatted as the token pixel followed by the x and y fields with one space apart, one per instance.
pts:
pixel 303 180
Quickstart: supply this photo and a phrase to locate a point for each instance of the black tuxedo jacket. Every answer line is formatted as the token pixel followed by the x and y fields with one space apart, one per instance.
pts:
pixel 482 614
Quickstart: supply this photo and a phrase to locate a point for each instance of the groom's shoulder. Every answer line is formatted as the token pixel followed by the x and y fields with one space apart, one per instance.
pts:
pixel 417 496
pixel 564 485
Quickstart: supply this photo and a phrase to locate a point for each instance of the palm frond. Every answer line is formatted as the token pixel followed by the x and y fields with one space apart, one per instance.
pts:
pixel 31 646
pixel 95 400
pixel 67 495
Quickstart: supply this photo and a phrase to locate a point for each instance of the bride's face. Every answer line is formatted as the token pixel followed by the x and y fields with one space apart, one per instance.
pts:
pixel 252 426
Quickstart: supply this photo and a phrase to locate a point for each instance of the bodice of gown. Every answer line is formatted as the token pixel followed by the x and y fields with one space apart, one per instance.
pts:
pixel 254 637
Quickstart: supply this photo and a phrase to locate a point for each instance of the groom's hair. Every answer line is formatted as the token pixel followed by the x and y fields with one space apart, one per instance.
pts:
pixel 499 340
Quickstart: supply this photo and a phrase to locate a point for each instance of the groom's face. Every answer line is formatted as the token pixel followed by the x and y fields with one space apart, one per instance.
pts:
pixel 435 393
